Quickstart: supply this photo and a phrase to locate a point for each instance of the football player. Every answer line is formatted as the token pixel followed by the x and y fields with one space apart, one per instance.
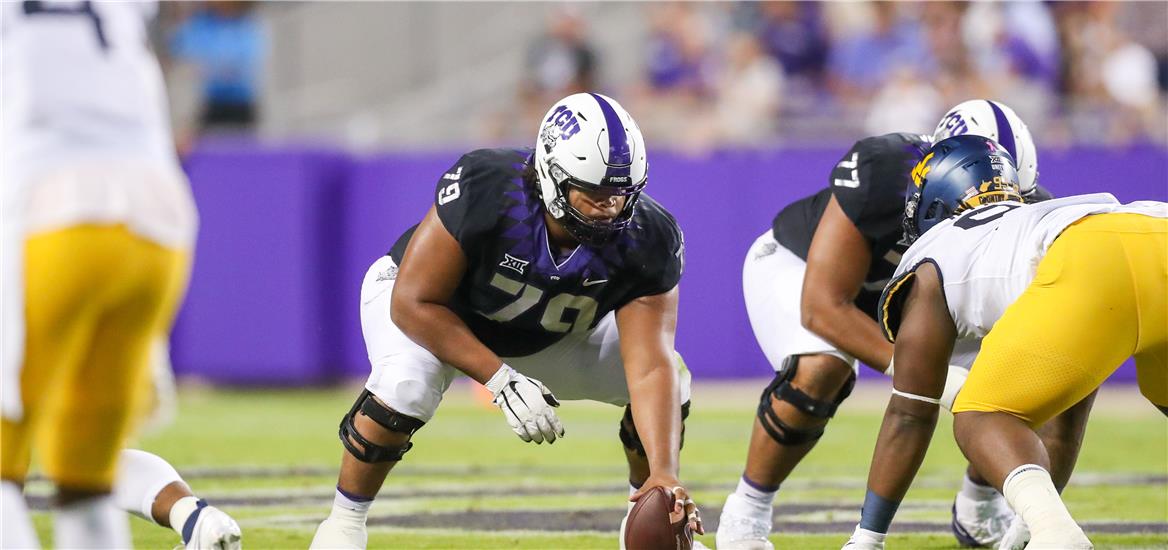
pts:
pixel 1090 271
pixel 811 284
pixel 533 271
pixel 97 230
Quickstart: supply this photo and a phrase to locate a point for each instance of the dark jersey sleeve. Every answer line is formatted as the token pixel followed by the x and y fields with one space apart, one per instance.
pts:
pixel 398 251
pixel 658 254
pixel 869 182
pixel 469 195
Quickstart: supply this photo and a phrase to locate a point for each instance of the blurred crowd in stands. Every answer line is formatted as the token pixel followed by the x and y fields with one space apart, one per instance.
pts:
pixel 747 74
pixel 757 74
pixel 212 54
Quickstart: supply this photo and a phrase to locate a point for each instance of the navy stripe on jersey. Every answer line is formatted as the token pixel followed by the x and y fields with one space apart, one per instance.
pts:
pixel 620 155
pixel 1005 131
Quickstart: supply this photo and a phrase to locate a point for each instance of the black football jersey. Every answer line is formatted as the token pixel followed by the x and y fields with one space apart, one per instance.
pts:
pixel 516 297
pixel 869 184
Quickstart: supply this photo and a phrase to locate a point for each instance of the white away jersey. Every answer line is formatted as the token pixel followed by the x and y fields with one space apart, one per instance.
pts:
pixel 989 255
pixel 86 132
pixel 84 138
pixel 78 79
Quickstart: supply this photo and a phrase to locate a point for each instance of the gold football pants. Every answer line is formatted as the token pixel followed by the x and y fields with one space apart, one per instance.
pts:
pixel 96 297
pixel 1100 296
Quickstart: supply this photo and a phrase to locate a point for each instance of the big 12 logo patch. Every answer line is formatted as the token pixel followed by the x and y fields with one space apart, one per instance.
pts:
pixel 560 124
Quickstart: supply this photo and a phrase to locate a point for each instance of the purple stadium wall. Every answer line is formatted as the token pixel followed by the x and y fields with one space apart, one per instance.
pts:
pixel 287 235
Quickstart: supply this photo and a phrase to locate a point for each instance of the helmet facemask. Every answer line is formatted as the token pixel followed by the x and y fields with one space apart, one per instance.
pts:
pixel 583 228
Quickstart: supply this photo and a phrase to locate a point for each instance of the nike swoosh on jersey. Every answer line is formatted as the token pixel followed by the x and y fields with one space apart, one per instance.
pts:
pixel 596 282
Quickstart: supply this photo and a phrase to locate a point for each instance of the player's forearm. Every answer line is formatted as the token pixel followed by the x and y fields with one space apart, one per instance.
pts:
pixel 436 328
pixel 655 401
pixel 904 438
pixel 849 329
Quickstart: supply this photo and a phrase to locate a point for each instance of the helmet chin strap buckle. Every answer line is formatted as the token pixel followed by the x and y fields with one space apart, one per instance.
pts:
pixel 556 208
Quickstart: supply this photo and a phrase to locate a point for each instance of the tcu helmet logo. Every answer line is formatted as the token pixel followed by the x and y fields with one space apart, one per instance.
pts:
pixel 954 125
pixel 561 124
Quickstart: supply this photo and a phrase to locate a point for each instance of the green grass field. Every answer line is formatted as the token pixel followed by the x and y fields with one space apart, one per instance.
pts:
pixel 269 458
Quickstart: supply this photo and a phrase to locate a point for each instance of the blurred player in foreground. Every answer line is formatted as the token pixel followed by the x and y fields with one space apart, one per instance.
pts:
pixel 811 284
pixel 98 228
pixel 1062 292
pixel 532 267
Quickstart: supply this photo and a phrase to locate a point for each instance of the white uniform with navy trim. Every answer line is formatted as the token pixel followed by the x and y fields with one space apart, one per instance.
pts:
pixel 84 138
pixel 989 255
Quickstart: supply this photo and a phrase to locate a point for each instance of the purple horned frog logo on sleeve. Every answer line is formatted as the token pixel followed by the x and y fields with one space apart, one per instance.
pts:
pixel 561 124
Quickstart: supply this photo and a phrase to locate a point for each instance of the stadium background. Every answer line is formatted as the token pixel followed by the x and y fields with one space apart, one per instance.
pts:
pixel 314 133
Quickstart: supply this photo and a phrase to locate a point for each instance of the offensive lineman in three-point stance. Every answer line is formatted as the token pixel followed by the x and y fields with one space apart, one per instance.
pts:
pixel 532 267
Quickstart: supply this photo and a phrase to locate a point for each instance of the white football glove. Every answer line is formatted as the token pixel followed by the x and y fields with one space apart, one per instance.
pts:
pixel 527 404
pixel 863 539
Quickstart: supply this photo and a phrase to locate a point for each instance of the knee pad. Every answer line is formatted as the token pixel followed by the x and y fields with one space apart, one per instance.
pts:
pixel 628 431
pixel 389 419
pixel 780 388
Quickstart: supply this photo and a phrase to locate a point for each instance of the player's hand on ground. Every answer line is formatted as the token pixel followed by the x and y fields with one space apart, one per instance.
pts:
pixel 683 505
pixel 527 405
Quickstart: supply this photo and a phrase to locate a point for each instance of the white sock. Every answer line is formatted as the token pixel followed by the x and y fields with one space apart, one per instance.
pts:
pixel 181 511
pixel 974 491
pixel 1031 494
pixel 141 476
pixel 91 523
pixel 16 529
pixel 760 498
pixel 350 508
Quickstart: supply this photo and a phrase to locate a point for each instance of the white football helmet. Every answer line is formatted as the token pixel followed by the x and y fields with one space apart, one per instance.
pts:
pixel 589 141
pixel 995 120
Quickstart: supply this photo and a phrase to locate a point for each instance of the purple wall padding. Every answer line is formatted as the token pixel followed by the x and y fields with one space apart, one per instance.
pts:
pixel 261 303
pixel 287 236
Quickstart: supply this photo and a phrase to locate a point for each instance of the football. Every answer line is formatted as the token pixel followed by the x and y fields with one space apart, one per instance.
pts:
pixel 649 526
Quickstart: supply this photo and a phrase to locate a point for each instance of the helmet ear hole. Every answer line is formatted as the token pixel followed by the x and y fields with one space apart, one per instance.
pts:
pixel 936 211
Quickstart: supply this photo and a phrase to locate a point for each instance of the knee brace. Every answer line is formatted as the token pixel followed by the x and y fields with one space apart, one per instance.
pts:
pixel 780 388
pixel 628 431
pixel 389 419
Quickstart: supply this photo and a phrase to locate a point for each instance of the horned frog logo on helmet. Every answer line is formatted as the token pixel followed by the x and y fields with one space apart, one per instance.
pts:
pixel 560 124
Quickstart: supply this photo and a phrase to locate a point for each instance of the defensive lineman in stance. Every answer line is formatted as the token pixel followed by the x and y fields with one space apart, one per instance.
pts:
pixel 811 284
pixel 1061 291
pixel 97 231
pixel 534 271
